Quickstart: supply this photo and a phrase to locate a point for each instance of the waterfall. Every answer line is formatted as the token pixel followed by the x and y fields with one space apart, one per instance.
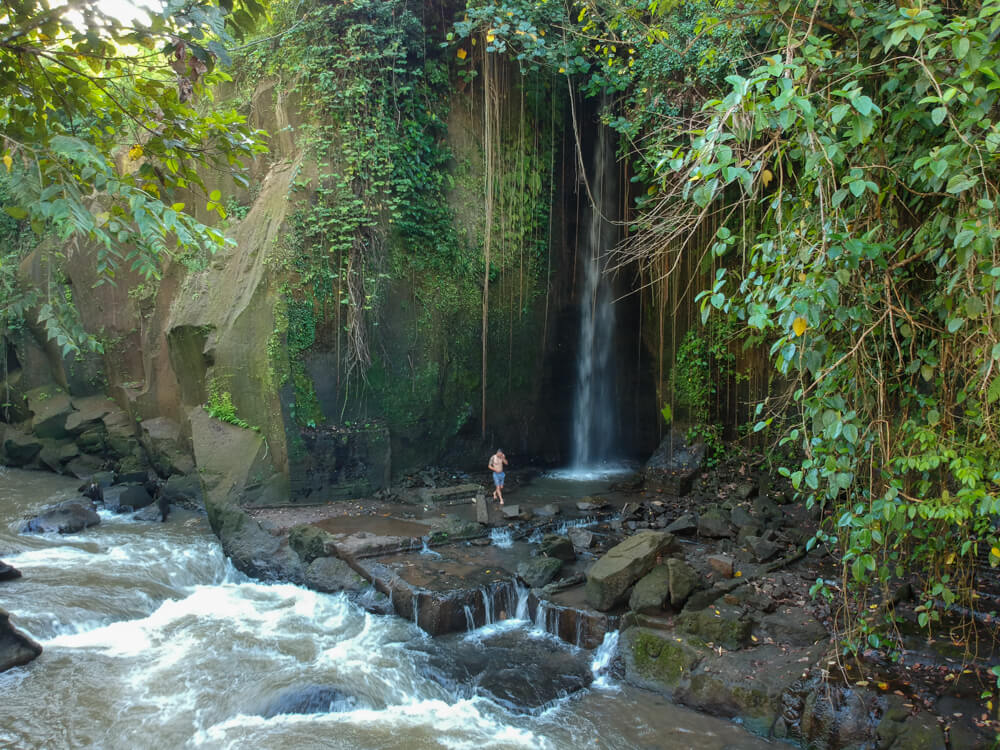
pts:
pixel 487 606
pixel 594 408
pixel 502 537
pixel 603 656
pixel 470 620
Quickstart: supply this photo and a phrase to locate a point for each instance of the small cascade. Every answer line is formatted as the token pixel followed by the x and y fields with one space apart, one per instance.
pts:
pixel 603 655
pixel 470 618
pixel 594 409
pixel 502 537
pixel 541 616
pixel 416 609
pixel 487 605
pixel 521 607
pixel 426 550
pixel 579 523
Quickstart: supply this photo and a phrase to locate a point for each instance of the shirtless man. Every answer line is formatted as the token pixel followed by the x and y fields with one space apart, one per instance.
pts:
pixel 497 461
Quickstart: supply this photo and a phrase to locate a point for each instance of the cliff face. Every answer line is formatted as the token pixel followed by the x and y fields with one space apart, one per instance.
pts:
pixel 263 337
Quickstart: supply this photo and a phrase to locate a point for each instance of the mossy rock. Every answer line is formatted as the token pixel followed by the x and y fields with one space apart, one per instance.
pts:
pixel 663 661
pixel 309 542
pixel 721 625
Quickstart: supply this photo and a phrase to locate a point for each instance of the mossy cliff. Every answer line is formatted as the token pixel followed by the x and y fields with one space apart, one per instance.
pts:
pixel 344 323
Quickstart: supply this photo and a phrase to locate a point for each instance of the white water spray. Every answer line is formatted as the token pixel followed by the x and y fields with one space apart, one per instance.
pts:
pixel 594 424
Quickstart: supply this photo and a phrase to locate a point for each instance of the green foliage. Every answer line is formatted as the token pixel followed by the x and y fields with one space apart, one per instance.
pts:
pixel 101 136
pixel 220 406
pixel 864 231
pixel 300 336
pixel 74 90
pixel 378 140
pixel 704 365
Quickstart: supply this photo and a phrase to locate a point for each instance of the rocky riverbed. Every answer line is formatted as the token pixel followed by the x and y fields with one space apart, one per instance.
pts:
pixel 703 573
pixel 709 590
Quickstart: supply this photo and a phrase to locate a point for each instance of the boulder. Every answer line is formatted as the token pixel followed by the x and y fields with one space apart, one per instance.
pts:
pixel 721 564
pixel 539 570
pixel 88 413
pixel 762 549
pixel 659 661
pixel 741 518
pixel 549 510
pixel 674 454
pixel 651 592
pixel 84 466
pixel 524 676
pixel 511 511
pixel 747 684
pixel 331 575
pixel 50 406
pixel 309 542
pixel 835 717
pixel 713 523
pixel 136 497
pixel 482 509
pixel 611 576
pixel 112 499
pixel 19 449
pixel 161 437
pixel 68 451
pixel 183 490
pixel 591 504
pixel 15 647
pixel 312 699
pixel 93 440
pixel 559 547
pixel 794 626
pixel 66 518
pixel 686 524
pixel 719 625
pixel 49 455
pixel 581 538
pixel 8 572
pixel 899 730
pixel 682 579
pixel 766 511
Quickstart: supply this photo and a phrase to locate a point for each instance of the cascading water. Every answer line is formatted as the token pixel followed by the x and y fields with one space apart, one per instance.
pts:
pixel 594 409
pixel 152 640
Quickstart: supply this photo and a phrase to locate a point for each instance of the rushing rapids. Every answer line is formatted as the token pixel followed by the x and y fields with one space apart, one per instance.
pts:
pixel 153 640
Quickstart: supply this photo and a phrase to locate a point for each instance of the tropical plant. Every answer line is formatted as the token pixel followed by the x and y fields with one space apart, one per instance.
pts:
pixel 103 136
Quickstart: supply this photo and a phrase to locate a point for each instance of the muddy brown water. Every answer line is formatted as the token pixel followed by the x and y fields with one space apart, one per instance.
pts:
pixel 152 640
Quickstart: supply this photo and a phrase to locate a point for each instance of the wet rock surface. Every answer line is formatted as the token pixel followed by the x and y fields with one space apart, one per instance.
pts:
pixel 8 572
pixel 715 614
pixel 66 518
pixel 522 675
pixel 16 648
pixel 311 699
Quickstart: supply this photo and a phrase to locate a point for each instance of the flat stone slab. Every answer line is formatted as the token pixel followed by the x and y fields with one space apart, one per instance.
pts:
pixel 364 544
pixel 624 564
pixel 89 411
pixel 449 494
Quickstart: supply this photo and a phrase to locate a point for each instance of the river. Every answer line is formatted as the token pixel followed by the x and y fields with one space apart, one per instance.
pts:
pixel 153 640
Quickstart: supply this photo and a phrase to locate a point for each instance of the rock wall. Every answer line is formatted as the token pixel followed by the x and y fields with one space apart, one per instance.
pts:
pixel 223 328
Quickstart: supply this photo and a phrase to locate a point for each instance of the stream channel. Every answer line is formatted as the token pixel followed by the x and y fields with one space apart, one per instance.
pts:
pixel 153 640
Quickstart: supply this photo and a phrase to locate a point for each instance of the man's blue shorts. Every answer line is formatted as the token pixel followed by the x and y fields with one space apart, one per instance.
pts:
pixel 498 478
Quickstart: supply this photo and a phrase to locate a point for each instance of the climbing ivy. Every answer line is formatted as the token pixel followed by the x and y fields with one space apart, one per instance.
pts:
pixel 220 406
